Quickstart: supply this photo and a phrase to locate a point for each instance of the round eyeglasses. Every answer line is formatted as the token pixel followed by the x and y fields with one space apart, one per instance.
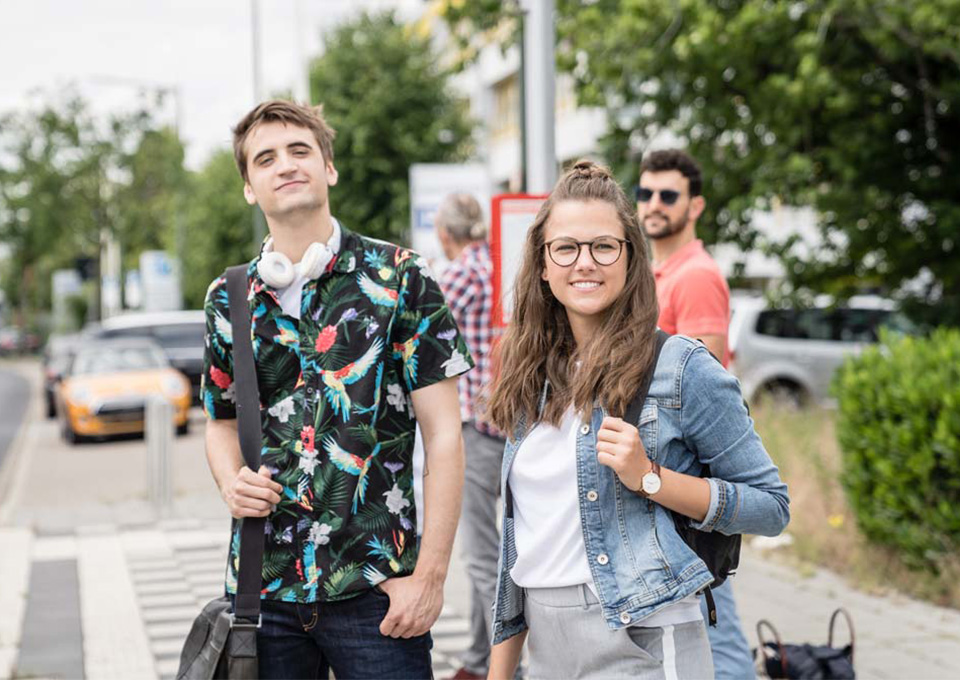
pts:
pixel 604 250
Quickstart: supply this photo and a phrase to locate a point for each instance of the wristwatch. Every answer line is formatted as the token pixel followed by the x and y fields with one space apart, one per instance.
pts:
pixel 650 482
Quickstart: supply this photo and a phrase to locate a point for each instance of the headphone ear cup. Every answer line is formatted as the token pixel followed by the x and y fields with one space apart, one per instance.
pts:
pixel 276 270
pixel 315 260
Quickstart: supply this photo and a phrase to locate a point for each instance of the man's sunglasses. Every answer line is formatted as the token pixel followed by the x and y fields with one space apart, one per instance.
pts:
pixel 667 196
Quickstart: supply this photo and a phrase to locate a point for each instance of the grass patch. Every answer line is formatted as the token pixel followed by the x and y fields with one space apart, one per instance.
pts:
pixel 804 445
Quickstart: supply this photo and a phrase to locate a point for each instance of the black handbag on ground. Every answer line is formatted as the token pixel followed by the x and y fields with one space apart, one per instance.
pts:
pixel 222 642
pixel 720 552
pixel 806 661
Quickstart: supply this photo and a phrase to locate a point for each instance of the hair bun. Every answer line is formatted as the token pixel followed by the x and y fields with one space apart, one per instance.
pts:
pixel 587 169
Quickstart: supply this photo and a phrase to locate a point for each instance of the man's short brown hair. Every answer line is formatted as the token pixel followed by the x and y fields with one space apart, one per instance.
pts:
pixel 674 159
pixel 282 111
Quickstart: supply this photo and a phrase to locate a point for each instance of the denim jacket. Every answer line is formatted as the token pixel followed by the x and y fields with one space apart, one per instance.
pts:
pixel 693 416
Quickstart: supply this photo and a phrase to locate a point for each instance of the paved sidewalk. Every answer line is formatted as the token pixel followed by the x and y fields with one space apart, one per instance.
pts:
pixel 896 637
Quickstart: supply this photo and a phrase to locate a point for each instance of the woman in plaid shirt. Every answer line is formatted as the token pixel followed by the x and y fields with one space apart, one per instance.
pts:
pixel 467 285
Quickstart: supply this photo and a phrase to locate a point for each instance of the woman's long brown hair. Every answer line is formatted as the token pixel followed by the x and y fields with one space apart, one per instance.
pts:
pixel 539 345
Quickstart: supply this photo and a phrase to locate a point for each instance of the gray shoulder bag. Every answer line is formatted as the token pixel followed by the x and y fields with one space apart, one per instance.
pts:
pixel 223 643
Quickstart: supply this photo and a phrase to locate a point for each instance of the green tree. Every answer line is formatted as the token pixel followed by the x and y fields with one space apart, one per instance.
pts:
pixel 849 106
pixel 219 230
pixel 391 104
pixel 146 210
pixel 66 177
pixel 51 199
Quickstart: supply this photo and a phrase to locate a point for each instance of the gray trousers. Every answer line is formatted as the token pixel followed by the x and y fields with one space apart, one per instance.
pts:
pixel 480 538
pixel 568 638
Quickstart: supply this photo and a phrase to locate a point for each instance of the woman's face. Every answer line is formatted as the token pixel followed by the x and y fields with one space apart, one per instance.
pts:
pixel 585 288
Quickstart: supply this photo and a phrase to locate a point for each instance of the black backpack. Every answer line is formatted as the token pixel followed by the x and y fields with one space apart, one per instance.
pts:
pixel 721 553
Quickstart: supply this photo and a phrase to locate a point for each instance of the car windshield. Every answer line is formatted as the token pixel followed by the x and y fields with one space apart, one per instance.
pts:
pixel 118 359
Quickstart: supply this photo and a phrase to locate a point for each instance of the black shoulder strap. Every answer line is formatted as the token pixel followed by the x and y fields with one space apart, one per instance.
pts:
pixel 632 414
pixel 249 580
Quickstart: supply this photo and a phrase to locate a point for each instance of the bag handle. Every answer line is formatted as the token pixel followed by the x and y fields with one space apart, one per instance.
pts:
pixel 249 578
pixel 833 620
pixel 763 646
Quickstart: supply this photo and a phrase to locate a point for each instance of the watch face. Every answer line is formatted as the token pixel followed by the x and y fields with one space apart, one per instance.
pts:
pixel 651 483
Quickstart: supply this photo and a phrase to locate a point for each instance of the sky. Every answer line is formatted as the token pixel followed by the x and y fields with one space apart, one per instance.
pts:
pixel 112 50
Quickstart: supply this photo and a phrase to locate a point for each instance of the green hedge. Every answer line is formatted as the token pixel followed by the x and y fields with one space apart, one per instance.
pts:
pixel 899 428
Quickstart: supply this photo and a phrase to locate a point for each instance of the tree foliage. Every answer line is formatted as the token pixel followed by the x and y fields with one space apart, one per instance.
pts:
pixel 848 106
pixel 66 177
pixel 392 106
pixel 219 226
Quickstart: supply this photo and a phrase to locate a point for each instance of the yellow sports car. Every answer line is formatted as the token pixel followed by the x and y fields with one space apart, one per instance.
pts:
pixel 108 385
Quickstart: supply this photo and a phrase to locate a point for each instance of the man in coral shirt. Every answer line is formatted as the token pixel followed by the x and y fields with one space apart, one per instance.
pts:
pixel 694 301
pixel 693 295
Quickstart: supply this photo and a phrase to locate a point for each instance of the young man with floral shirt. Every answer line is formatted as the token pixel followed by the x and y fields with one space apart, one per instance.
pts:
pixel 350 342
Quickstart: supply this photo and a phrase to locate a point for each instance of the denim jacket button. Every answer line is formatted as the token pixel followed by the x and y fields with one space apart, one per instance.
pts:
pixel 584 429
pixel 624 618
pixel 602 559
pixel 592 496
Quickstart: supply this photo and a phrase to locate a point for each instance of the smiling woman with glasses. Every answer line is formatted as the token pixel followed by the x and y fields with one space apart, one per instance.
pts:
pixel 593 574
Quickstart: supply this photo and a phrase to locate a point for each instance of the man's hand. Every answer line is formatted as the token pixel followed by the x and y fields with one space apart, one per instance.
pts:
pixel 620 449
pixel 415 605
pixel 252 494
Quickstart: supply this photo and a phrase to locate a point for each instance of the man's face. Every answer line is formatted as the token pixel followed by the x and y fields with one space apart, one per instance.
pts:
pixel 668 209
pixel 286 172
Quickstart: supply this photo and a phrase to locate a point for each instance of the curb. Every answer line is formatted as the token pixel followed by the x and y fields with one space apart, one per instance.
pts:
pixel 13 469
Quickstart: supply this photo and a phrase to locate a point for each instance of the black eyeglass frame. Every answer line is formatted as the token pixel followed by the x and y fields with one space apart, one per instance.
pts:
pixel 589 244
pixel 665 195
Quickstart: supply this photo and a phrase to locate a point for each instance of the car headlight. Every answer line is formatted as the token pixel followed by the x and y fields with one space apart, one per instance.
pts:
pixel 80 394
pixel 173 387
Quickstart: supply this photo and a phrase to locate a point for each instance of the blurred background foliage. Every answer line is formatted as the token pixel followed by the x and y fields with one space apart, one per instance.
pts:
pixel 849 106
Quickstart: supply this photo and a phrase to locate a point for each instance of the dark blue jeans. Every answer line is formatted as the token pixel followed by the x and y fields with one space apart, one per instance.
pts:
pixel 307 640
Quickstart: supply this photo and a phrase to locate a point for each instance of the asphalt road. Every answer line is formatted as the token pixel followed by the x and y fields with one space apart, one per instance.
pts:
pixel 14 400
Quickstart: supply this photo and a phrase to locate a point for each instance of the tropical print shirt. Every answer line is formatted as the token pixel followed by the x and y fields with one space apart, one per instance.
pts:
pixel 338 421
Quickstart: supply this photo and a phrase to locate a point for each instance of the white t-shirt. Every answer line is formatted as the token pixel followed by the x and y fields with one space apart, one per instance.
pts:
pixel 546 513
pixel 546 518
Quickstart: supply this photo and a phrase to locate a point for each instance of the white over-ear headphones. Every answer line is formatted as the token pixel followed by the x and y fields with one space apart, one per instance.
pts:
pixel 277 271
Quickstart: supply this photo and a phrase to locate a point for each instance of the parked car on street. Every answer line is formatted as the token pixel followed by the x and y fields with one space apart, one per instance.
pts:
pixel 791 355
pixel 106 389
pixel 180 334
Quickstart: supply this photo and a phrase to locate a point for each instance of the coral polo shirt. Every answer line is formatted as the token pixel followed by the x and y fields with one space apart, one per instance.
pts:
pixel 693 295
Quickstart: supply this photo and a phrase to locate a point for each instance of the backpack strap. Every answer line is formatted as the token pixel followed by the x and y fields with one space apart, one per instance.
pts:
pixel 249 579
pixel 635 407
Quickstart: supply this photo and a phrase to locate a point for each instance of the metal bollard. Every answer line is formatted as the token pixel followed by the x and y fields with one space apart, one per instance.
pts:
pixel 160 432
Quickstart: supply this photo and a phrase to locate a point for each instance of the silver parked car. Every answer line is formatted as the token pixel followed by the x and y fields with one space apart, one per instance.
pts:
pixel 792 354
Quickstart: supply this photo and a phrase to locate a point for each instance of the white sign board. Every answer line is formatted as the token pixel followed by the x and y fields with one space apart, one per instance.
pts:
pixel 160 282
pixel 430 183
pixel 513 214
pixel 132 289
